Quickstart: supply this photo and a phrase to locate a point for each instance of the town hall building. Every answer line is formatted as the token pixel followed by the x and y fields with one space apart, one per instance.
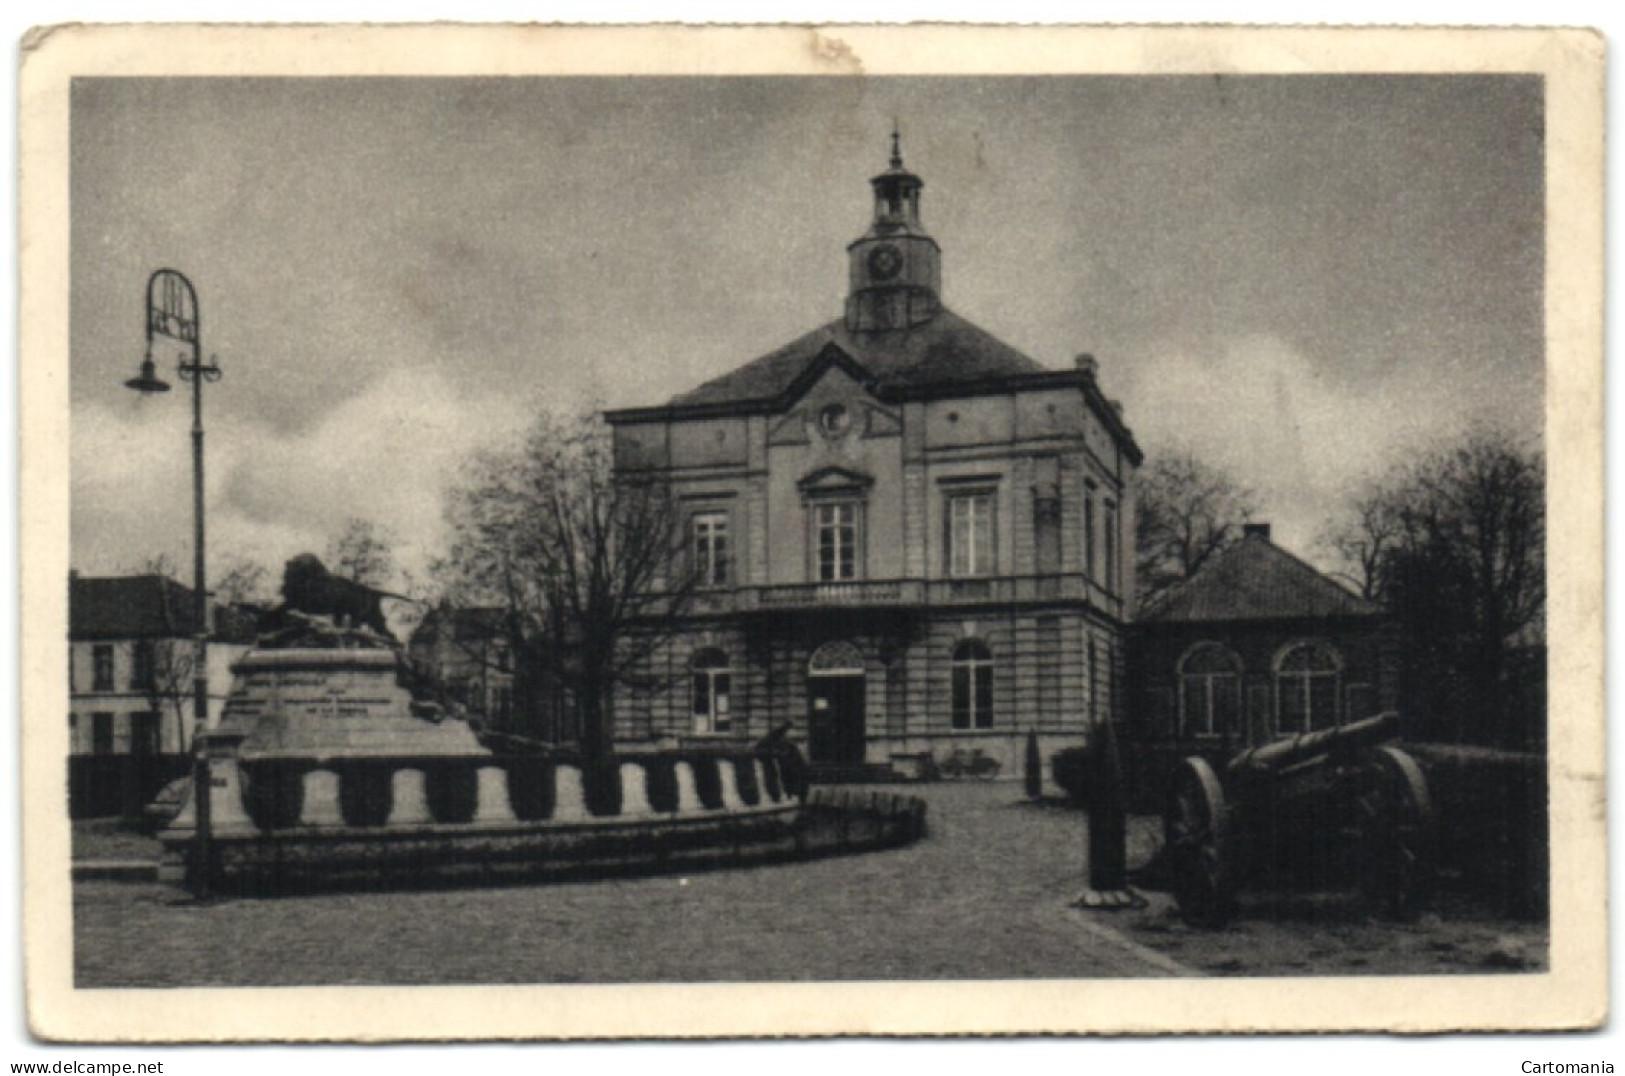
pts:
pixel 912 540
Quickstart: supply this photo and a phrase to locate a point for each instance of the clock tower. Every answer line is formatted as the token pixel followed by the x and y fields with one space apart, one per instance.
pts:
pixel 895 268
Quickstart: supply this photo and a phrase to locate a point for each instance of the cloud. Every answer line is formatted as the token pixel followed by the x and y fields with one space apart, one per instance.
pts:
pixel 384 455
pixel 1299 436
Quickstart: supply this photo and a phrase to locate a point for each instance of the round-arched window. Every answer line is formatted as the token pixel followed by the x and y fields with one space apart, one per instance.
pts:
pixel 713 691
pixel 1209 691
pixel 1307 678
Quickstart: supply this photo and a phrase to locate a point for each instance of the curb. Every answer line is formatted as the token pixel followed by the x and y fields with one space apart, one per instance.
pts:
pixel 115 870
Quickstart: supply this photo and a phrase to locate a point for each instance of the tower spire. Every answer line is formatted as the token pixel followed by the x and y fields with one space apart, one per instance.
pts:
pixel 895 267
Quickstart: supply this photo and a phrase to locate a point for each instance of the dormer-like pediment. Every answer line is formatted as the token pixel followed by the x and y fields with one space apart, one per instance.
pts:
pixel 833 481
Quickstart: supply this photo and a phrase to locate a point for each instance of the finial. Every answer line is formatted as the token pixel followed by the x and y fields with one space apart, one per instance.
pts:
pixel 896 148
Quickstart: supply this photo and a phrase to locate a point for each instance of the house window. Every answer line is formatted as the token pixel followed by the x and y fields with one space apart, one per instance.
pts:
pixel 713 689
pixel 1306 688
pixel 501 702
pixel 970 534
pixel 836 527
pixel 141 669
pixel 1209 691
pixel 102 667
pixel 1109 546
pixel 1089 532
pixel 144 734
pixel 973 685
pixel 711 548
pixel 504 660
pixel 101 734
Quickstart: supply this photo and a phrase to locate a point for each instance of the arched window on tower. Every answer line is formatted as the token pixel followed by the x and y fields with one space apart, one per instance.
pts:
pixel 1209 691
pixel 1306 687
pixel 973 685
pixel 713 690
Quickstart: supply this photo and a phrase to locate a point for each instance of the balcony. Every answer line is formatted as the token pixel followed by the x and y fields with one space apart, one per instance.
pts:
pixel 847 594
pixel 934 593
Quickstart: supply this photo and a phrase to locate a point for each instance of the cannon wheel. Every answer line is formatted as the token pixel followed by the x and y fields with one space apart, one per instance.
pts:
pixel 1196 829
pixel 1396 834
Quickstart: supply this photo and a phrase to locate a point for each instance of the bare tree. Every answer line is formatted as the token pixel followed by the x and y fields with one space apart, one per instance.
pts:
pixel 1186 510
pixel 1454 542
pixel 586 564
pixel 164 668
pixel 363 551
pixel 1361 542
pixel 240 581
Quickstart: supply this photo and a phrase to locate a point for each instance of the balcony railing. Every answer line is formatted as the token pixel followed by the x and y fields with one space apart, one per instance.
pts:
pixel 846 593
pixel 921 592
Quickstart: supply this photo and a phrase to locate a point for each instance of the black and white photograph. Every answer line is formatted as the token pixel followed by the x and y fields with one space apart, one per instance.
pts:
pixel 737 511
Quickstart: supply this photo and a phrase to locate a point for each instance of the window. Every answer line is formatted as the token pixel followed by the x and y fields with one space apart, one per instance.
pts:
pixel 1109 547
pixel 1089 532
pixel 973 685
pixel 101 734
pixel 504 659
pixel 836 524
pixel 970 534
pixel 141 669
pixel 501 702
pixel 1209 691
pixel 711 548
pixel 713 688
pixel 102 667
pixel 144 734
pixel 1306 688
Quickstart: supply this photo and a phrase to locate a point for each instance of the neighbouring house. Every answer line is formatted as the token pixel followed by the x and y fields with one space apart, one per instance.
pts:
pixel 912 539
pixel 1255 645
pixel 467 656
pixel 130 685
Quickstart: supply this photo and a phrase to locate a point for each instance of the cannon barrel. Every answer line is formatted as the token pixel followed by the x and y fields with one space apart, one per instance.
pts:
pixel 1272 757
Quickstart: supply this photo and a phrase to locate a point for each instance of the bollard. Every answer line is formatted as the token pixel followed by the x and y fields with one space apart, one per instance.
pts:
pixel 1107 803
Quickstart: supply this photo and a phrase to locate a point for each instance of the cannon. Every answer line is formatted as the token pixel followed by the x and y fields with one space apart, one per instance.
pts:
pixel 1340 805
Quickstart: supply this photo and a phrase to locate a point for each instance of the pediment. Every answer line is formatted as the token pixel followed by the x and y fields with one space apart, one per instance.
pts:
pixel 833 377
pixel 834 480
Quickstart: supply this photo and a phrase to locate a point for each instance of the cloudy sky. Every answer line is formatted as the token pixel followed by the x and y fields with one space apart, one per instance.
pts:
pixel 1297 277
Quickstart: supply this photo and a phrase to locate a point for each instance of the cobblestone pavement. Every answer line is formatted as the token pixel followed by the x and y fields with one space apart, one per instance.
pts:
pixel 984 896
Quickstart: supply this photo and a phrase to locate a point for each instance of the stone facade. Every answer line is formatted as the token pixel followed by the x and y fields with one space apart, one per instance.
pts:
pixel 912 539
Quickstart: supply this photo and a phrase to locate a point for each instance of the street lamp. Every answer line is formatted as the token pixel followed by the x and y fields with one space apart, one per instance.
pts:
pixel 172 315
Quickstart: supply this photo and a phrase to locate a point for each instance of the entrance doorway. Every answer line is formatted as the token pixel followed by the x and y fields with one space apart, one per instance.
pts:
pixel 835 705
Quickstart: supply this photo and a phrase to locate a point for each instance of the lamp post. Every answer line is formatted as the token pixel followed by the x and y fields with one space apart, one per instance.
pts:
pixel 172 314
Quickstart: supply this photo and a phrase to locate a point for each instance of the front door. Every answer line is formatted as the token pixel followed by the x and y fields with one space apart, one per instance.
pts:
pixel 835 725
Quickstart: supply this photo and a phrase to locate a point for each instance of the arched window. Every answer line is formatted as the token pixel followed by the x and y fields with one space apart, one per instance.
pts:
pixel 1306 687
pixel 713 687
pixel 1209 691
pixel 973 685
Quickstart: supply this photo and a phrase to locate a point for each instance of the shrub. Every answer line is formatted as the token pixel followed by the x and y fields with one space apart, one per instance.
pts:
pixel 745 779
pixel 366 793
pixel 1070 767
pixel 530 788
pixel 452 789
pixel 707 781
pixel 1034 773
pixel 660 782
pixel 274 793
pixel 770 777
pixel 602 780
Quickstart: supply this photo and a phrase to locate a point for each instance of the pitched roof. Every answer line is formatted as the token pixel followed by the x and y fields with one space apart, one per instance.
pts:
pixel 128 607
pixel 477 623
pixel 147 607
pixel 943 352
pixel 1254 579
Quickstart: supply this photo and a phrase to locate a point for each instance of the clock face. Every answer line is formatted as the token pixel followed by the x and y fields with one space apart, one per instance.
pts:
pixel 885 261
